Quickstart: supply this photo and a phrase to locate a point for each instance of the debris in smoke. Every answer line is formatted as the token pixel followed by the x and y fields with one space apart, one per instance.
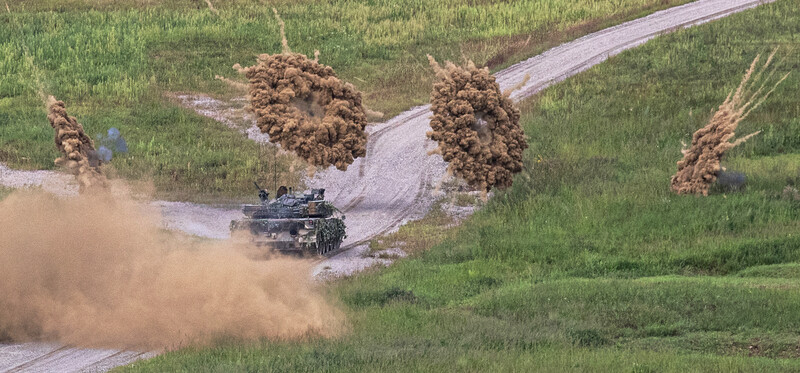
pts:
pixel 111 143
pixel 700 166
pixel 476 126
pixel 306 108
pixel 104 154
pixel 729 181
pixel 79 155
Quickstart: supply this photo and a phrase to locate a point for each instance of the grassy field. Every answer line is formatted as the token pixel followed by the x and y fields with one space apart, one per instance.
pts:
pixel 590 263
pixel 114 63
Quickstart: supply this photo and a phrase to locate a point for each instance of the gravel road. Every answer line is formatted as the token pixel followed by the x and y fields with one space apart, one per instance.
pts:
pixel 393 184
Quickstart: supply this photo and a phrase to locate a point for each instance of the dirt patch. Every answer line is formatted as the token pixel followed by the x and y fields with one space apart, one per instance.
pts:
pixel 700 166
pixel 231 113
pixel 476 126
pixel 355 260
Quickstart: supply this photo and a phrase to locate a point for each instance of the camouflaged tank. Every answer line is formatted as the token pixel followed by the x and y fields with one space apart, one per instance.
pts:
pixel 298 223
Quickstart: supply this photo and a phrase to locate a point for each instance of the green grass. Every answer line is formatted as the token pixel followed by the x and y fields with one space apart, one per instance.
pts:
pixel 417 236
pixel 786 270
pixel 113 61
pixel 589 262
pixel 4 192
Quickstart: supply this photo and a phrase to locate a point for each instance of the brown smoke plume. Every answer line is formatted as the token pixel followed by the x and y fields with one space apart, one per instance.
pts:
pixel 306 108
pixel 211 7
pixel 99 272
pixel 476 125
pixel 701 161
pixel 79 156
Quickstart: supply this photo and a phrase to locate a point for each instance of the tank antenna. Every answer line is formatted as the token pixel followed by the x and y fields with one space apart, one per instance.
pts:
pixel 275 169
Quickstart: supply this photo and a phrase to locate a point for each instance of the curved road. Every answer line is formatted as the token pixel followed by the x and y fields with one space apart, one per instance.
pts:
pixel 394 182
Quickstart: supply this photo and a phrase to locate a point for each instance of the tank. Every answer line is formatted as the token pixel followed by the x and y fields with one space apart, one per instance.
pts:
pixel 303 224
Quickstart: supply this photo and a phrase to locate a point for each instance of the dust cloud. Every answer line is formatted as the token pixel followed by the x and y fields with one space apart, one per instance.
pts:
pixel 476 126
pixel 700 165
pixel 79 155
pixel 98 271
pixel 306 108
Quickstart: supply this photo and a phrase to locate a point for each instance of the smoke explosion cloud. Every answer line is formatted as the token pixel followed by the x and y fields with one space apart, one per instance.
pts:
pixel 111 143
pixel 700 165
pixel 476 126
pixel 79 156
pixel 306 108
pixel 94 271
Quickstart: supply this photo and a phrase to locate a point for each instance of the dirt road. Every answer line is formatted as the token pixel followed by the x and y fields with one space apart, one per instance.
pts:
pixel 51 357
pixel 392 185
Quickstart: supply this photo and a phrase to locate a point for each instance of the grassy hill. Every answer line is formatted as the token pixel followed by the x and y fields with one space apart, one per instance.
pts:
pixel 114 63
pixel 590 263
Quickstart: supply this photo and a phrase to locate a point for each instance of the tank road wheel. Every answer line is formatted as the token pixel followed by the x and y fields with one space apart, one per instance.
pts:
pixel 331 246
pixel 323 243
pixel 313 248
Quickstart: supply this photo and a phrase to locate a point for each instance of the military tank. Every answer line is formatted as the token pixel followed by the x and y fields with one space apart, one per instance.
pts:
pixel 292 223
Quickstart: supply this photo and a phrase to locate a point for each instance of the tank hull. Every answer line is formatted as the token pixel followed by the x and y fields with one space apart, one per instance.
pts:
pixel 302 236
